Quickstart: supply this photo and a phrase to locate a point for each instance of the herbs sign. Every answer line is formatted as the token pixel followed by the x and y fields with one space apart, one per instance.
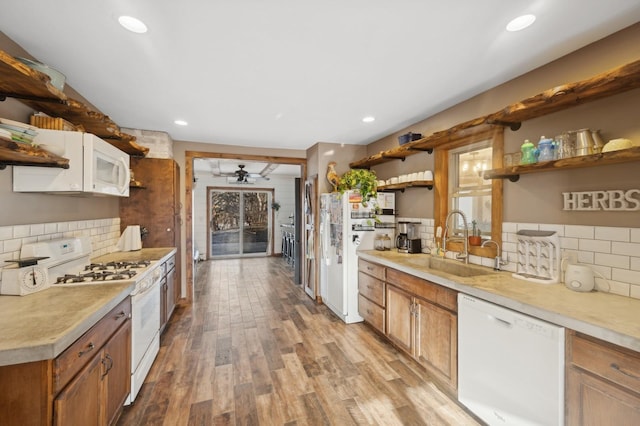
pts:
pixel 613 200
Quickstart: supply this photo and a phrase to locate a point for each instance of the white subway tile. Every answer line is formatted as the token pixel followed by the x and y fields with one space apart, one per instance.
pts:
pixel 586 257
pixel 611 233
pixel 602 270
pixel 12 245
pixel 509 227
pixel 569 243
pixel 73 226
pixel 579 231
pixel 533 226
pixel 626 275
pixel 635 235
pixel 635 291
pixel 63 226
pixel 634 263
pixel 595 245
pixel 612 260
pixel 50 228
pixel 37 229
pixel 622 289
pixel 630 249
pixel 21 231
pixel 6 232
pixel 559 229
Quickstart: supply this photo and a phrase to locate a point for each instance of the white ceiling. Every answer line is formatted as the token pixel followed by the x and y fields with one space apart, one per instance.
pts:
pixel 290 73
pixel 223 167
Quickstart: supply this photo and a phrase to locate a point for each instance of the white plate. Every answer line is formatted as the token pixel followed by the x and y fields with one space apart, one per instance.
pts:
pixel 17 124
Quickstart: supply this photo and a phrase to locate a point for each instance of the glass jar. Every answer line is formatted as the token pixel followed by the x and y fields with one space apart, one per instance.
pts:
pixel 386 242
pixel 378 243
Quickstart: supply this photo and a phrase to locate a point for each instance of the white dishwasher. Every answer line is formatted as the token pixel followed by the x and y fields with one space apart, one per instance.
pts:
pixel 510 366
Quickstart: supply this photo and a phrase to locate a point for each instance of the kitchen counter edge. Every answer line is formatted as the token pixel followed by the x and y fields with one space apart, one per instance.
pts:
pixel 587 313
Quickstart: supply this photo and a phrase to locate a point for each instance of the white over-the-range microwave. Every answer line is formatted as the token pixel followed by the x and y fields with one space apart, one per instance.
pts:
pixel 95 167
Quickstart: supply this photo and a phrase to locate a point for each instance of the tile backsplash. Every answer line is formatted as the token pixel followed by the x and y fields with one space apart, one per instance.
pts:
pixel 612 252
pixel 104 235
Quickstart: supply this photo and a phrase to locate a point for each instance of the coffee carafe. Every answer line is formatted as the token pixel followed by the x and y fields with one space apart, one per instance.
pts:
pixel 402 240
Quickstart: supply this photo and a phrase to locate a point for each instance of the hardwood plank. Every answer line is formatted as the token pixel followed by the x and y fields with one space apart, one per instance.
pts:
pixel 280 359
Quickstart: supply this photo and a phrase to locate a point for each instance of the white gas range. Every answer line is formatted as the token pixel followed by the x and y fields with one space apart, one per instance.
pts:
pixel 67 262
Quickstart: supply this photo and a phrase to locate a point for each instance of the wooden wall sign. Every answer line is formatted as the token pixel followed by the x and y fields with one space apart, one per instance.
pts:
pixel 612 200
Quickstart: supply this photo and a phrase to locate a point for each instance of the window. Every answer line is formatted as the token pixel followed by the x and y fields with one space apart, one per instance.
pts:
pixel 468 190
pixel 458 182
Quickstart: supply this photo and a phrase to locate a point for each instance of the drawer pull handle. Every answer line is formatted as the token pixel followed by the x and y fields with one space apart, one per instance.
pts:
pixel 617 368
pixel 121 314
pixel 89 349
pixel 369 268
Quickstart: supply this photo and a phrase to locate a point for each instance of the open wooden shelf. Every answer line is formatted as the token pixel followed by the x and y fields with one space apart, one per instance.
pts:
pixel 602 159
pixel 20 154
pixel 401 186
pixel 34 89
pixel 613 82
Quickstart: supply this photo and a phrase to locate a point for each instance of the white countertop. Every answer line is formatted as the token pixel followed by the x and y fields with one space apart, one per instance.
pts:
pixel 609 317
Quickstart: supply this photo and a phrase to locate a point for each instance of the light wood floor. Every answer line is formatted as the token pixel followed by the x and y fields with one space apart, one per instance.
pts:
pixel 255 350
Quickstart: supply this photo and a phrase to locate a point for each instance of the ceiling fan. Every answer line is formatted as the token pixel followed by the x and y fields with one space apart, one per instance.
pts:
pixel 242 175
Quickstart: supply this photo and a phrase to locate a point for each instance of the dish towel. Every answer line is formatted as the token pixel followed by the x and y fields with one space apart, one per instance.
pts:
pixel 130 239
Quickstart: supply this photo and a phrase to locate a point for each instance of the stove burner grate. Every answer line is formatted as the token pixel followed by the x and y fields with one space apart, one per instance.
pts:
pixel 97 275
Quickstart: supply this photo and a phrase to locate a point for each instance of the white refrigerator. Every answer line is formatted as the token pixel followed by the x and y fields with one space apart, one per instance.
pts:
pixel 346 226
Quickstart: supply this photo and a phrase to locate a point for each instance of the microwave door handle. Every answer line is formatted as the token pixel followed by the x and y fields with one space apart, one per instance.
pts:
pixel 127 176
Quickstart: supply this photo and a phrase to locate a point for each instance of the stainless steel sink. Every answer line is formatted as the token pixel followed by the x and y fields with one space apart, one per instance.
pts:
pixel 452 267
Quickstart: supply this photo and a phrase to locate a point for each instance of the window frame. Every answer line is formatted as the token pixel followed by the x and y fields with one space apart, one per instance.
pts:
pixel 442 166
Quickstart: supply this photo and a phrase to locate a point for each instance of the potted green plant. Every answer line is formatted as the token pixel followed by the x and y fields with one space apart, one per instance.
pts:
pixel 362 180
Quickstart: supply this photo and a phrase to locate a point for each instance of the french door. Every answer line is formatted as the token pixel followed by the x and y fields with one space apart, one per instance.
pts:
pixel 240 222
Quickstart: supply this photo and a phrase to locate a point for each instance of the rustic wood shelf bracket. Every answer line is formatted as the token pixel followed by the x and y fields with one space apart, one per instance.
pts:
pixel 4 96
pixel 427 150
pixel 511 125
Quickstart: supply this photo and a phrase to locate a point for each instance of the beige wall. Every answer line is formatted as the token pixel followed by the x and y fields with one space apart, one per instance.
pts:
pixel 324 153
pixel 538 197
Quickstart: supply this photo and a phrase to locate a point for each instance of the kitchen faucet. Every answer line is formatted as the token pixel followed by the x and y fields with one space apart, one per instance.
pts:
pixel 498 261
pixel 464 256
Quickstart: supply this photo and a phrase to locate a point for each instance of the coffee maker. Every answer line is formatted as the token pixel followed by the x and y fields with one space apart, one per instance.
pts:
pixel 402 240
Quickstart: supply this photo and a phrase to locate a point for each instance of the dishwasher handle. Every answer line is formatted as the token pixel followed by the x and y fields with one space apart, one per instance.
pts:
pixel 500 321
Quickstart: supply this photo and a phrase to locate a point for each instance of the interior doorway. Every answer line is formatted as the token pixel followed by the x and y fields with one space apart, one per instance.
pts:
pixel 193 183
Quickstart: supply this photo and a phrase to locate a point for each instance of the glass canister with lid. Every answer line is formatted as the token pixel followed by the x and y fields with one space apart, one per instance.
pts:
pixel 378 242
pixel 386 241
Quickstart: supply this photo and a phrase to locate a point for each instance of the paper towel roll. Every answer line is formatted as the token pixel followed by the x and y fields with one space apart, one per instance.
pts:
pixel 130 239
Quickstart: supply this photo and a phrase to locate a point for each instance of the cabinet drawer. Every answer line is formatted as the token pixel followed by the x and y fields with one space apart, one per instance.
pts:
pixel 371 288
pixel 69 362
pixel 603 359
pixel 372 313
pixel 170 264
pixel 435 293
pixel 372 269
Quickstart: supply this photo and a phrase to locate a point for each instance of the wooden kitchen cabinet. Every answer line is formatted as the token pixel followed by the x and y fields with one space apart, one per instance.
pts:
pixel 422 321
pixel 371 294
pixel 155 206
pixel 436 345
pixel 400 318
pixel 86 384
pixel 168 292
pixel 602 383
pixel 417 316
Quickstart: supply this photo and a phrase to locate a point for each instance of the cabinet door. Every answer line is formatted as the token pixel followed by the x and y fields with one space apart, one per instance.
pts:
pixel 595 402
pixel 79 402
pixel 163 304
pixel 400 318
pixel 437 341
pixel 117 372
pixel 171 292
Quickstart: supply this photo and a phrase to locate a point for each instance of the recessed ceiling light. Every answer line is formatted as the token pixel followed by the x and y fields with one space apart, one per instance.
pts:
pixel 521 22
pixel 369 119
pixel 132 24
pixel 181 123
